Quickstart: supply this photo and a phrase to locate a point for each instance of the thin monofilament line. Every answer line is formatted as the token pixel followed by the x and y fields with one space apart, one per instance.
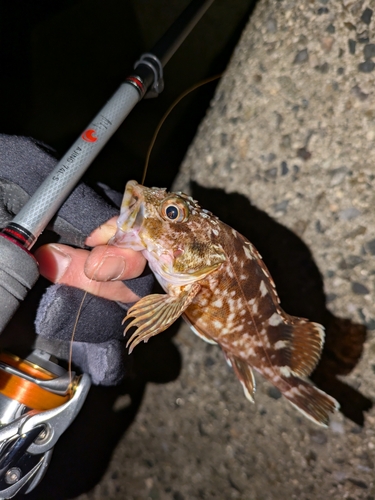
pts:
pixel 166 114
pixel 73 334
pixel 77 319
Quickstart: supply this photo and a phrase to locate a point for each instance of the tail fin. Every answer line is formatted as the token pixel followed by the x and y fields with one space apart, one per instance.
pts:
pixel 315 404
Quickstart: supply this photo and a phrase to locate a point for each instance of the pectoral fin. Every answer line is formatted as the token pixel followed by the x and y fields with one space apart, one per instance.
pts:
pixel 155 313
pixel 245 375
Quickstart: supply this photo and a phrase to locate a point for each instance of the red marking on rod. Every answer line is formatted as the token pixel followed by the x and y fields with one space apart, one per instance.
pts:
pixel 13 240
pixel 136 81
pixel 15 234
pixel 89 135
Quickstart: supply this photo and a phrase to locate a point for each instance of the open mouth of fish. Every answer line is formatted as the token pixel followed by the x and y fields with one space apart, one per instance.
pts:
pixel 131 218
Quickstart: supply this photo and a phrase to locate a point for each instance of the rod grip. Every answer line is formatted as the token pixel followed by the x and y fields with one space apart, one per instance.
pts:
pixel 18 273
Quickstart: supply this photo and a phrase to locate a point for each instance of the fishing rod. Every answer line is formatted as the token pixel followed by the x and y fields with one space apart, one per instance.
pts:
pixel 38 400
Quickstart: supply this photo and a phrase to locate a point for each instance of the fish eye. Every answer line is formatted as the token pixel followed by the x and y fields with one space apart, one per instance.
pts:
pixel 174 210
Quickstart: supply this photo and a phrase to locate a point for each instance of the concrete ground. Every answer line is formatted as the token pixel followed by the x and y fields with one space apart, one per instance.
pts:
pixel 286 156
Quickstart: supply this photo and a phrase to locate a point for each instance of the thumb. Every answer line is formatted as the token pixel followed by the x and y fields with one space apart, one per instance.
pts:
pixel 65 265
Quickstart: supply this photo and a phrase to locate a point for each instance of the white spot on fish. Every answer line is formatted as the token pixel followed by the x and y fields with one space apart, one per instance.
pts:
pixel 231 317
pixel 294 391
pixel 269 372
pixel 255 308
pixel 265 343
pixel 234 232
pixel 218 303
pixel 215 231
pixel 275 320
pixel 217 324
pixel 250 352
pixel 247 253
pixel 285 371
pixel 263 288
pixel 251 302
pixel 280 344
pixel 230 303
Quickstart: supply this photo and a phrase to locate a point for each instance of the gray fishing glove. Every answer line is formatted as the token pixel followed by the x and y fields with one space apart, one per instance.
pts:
pixel 98 348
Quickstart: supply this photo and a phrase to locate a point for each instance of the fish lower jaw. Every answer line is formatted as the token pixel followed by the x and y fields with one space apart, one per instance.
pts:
pixel 162 266
pixel 167 275
pixel 130 239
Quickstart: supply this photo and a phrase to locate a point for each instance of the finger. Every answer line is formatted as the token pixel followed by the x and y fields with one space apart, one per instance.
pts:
pixel 102 234
pixel 65 265
pixel 107 263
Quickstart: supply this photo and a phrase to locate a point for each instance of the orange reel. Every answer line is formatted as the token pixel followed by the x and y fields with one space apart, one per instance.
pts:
pixel 24 391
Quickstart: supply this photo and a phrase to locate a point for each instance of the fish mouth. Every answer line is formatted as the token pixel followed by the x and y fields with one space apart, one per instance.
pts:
pixel 131 218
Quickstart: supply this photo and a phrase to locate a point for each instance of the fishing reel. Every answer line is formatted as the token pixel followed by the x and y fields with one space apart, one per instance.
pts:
pixel 39 399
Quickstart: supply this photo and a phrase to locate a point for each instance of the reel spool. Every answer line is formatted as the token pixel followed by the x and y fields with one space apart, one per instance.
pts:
pixel 34 383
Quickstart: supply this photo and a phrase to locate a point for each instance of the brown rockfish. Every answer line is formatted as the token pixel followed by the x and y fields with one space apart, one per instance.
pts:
pixel 216 279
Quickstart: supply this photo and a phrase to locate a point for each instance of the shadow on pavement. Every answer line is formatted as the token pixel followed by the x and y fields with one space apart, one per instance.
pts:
pixel 300 287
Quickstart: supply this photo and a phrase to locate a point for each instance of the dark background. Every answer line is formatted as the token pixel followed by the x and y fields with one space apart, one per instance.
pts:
pixel 61 61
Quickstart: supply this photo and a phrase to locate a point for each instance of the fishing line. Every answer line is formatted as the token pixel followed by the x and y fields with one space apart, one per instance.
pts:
pixel 167 113
pixel 72 337
pixel 77 319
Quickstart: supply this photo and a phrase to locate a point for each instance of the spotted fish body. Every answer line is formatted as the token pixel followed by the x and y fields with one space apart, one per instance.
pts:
pixel 216 279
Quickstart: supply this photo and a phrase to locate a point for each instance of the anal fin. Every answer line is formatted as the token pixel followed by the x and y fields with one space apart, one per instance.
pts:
pixel 245 375
pixel 198 332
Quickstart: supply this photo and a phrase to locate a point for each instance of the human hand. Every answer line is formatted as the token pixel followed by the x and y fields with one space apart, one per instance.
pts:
pixel 98 348
pixel 100 272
